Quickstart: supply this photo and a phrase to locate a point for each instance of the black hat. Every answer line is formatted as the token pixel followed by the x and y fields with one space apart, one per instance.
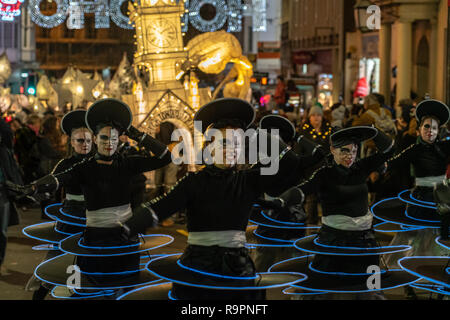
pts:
pixel 352 135
pixel 73 120
pixel 286 127
pixel 225 108
pixel 109 111
pixel 431 107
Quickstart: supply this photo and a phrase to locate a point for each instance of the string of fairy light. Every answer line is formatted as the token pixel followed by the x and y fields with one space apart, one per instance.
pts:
pixel 227 11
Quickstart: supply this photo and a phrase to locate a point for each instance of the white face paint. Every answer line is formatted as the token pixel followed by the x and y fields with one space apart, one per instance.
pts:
pixel 227 148
pixel 429 130
pixel 107 140
pixel 345 155
pixel 81 141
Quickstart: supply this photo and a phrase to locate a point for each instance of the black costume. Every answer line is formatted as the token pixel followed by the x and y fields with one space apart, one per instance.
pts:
pixel 343 193
pixel 107 191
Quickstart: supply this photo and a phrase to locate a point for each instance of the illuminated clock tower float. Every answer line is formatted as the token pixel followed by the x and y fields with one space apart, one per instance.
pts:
pixel 159 95
pixel 161 61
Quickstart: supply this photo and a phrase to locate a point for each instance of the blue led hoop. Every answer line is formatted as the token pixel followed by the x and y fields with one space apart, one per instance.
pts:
pixel 107 248
pixel 421 201
pixel 352 248
pixel 93 288
pixel 281 222
pixel 45 247
pixel 447 285
pixel 59 219
pixel 402 228
pixel 413 203
pixel 441 244
pixel 404 248
pixel 302 293
pixel 391 221
pixel 231 288
pixel 110 273
pixel 81 296
pixel 62 232
pixel 342 273
pixel 71 216
pixel 139 289
pixel 273 239
pixel 24 231
pixel 90 293
pixel 121 253
pixel 214 274
pixel 431 287
pixel 171 296
pixel 418 219
pixel 290 259
pixel 357 291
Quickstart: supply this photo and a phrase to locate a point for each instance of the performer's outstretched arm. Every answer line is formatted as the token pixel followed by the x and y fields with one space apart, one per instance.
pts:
pixel 161 158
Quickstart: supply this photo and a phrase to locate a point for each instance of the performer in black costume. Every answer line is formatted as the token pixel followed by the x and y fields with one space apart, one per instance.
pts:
pixel 105 180
pixel 428 158
pixel 72 124
pixel 218 200
pixel 342 191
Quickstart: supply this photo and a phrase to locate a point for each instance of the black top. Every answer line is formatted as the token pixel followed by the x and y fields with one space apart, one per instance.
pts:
pixel 427 159
pixel 106 185
pixel 344 190
pixel 221 199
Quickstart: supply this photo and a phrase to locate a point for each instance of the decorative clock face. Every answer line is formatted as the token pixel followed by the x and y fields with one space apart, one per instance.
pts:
pixel 162 33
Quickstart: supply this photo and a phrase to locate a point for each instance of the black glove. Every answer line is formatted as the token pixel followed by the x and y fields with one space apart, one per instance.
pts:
pixel 275 203
pixel 293 196
pixel 18 191
pixel 383 142
pixel 143 218
pixel 134 134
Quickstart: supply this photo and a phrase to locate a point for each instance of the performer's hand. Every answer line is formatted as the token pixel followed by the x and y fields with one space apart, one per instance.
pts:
pixel 20 191
pixel 134 133
pixel 143 218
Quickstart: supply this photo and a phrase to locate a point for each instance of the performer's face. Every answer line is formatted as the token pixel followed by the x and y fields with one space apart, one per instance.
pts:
pixel 230 146
pixel 345 155
pixel 81 141
pixel 107 140
pixel 429 130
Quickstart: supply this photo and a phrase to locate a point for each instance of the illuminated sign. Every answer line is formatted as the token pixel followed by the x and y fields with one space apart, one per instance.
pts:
pixel 9 9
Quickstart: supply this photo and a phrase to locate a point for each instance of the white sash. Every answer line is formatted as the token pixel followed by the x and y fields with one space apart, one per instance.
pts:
pixel 342 222
pixel 227 239
pixel 108 217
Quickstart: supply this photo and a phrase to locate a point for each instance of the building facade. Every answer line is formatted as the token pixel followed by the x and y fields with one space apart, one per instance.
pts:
pixel 412 49
pixel 88 49
pixel 312 35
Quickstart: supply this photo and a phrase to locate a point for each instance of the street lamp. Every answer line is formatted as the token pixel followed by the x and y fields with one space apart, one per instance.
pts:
pixel 362 15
